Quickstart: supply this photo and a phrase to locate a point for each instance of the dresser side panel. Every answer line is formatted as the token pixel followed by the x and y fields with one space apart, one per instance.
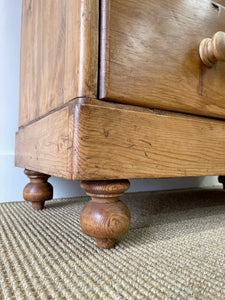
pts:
pixel 47 145
pixel 59 55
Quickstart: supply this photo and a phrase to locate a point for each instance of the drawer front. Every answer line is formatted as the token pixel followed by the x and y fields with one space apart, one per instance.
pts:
pixel 150 55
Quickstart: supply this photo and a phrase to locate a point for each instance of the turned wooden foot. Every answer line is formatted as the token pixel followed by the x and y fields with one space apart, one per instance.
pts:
pixel 38 190
pixel 105 217
pixel 221 179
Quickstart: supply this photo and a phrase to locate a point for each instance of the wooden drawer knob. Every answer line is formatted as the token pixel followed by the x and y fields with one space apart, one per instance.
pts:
pixel 212 50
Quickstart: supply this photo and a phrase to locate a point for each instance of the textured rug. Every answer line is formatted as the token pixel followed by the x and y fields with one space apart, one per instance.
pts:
pixel 174 250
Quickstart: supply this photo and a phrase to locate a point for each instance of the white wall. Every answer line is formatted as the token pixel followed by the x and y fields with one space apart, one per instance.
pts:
pixel 12 179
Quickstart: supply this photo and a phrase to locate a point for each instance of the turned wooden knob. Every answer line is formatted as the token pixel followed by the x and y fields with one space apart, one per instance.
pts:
pixel 105 217
pixel 213 50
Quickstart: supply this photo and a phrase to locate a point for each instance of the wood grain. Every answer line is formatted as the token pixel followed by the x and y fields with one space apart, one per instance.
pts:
pixel 46 145
pixel 59 54
pixel 115 143
pixel 105 217
pixel 93 140
pixel 149 55
pixel 38 190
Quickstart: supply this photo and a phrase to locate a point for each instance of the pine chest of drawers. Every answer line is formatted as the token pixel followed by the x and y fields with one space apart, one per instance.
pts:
pixel 112 90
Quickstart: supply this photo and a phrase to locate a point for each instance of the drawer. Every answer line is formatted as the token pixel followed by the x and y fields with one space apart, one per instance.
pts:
pixel 149 55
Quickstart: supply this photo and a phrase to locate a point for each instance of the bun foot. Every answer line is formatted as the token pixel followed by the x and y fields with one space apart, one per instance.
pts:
pixel 106 243
pixel 221 179
pixel 38 190
pixel 105 217
pixel 38 205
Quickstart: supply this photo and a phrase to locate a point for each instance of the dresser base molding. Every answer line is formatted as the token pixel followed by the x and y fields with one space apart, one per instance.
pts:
pixel 38 190
pixel 93 140
pixel 105 217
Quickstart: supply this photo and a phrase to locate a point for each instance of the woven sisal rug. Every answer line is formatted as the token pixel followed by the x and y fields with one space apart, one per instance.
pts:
pixel 174 250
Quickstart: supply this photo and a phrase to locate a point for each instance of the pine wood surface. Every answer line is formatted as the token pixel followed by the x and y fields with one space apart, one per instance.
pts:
pixel 105 217
pixel 93 140
pixel 59 54
pixel 46 145
pixel 38 190
pixel 150 55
